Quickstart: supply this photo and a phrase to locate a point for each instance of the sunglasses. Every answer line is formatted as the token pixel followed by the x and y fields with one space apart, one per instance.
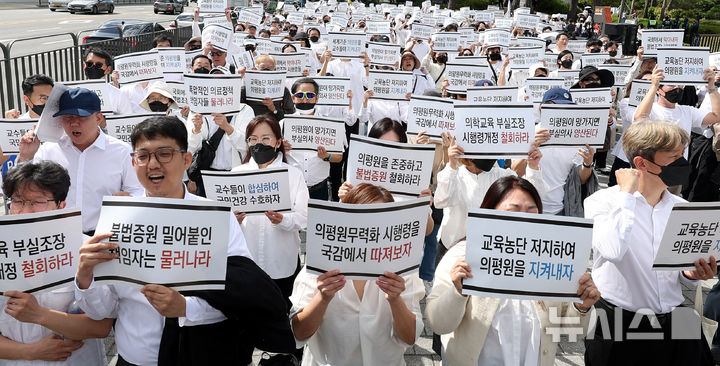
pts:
pixel 592 79
pixel 217 53
pixel 99 65
pixel 305 95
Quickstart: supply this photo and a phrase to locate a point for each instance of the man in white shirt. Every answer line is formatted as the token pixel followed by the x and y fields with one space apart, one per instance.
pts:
pixel 98 65
pixel 99 165
pixel 36 90
pixel 629 221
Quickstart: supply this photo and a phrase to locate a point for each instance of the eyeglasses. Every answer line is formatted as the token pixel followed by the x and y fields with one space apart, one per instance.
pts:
pixel 216 53
pixel 591 79
pixel 305 95
pixel 162 155
pixel 19 204
pixel 253 140
pixel 90 64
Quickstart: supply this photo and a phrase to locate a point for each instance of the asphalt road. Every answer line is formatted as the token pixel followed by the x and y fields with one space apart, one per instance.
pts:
pixel 53 27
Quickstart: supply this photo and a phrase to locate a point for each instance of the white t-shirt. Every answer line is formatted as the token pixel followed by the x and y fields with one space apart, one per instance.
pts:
pixel 684 116
pixel 555 164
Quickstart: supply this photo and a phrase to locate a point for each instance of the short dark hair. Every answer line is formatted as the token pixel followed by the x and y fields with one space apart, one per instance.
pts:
pixel 162 38
pixel 29 84
pixel 563 53
pixel 163 126
pixel 99 52
pixel 593 42
pixel 198 57
pixel 301 81
pixel 313 29
pixel 562 34
pixel 451 26
pixel 47 176
pixel 501 187
pixel 288 45
pixel 274 125
pixel 388 124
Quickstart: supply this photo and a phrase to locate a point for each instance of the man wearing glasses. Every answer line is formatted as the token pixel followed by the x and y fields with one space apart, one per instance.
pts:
pixel 277 108
pixel 99 165
pixel 98 65
pixel 218 57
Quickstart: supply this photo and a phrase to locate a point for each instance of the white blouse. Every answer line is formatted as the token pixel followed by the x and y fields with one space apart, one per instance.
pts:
pixel 276 248
pixel 356 332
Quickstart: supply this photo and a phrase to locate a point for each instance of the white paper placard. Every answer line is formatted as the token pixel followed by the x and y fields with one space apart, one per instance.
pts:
pixel 527 21
pixel 593 59
pixel 11 131
pixel 190 55
pixel 247 16
pixel 364 241
pixel 377 27
pixel 576 46
pixel 263 84
pixel 446 41
pixel 683 65
pixel 524 57
pixel 492 94
pixel 219 19
pixel 402 169
pixel 462 76
pixel 292 63
pixel 422 31
pixel 652 39
pixel 433 115
pixel 250 191
pixel 40 250
pixel 385 54
pixel 535 88
pixel 309 132
pixel 333 90
pixel 503 23
pixel 620 72
pixel 138 66
pixel 172 60
pixel 494 131
pixel 212 6
pixel 346 44
pixel 121 126
pixel 596 96
pixel 484 16
pixel 390 85
pixel 99 86
pixel 691 234
pixel 207 93
pixel 638 90
pixel 497 37
pixel 177 243
pixel 714 59
pixel 575 125
pixel 50 128
pixel 295 17
pixel 218 35
pixel 550 61
pixel 509 259
pixel 531 42
pixel 569 77
pixel 178 91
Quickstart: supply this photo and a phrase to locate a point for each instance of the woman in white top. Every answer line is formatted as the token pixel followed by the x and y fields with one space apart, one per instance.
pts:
pixel 368 323
pixel 45 328
pixel 274 238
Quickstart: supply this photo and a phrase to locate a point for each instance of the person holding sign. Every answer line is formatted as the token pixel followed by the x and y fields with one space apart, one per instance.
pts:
pixel 359 322
pixel 273 238
pixel 410 62
pixel 33 326
pixel 434 63
pixel 480 330
pixel 159 98
pixel 278 108
pixel 628 223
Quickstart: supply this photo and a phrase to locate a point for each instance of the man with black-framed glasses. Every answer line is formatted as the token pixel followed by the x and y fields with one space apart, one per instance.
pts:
pixel 278 108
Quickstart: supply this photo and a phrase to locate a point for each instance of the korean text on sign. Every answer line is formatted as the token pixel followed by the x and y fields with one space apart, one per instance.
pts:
pixel 250 191
pixel 692 232
pixel 494 131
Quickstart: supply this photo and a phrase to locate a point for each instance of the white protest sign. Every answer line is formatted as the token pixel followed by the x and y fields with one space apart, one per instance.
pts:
pixel 365 241
pixel 535 88
pixel 691 233
pixel 50 128
pixel 569 77
pixel 346 44
pixel 527 21
pixel 575 125
pixel 264 46
pixel 390 85
pixel 683 65
pixel 492 94
pixel 121 126
pixel 264 84
pixel 207 93
pixel 39 250
pixel 99 87
pixel 467 36
pixel 190 55
pixel 433 115
pixel 220 36
pixel 576 46
pixel 250 191
pixel 422 31
pixel 503 23
pixel 446 41
pixel 333 90
pixel 385 54
pixel 652 39
pixel 247 16
pixel 293 63
pixel 494 131
pixel 510 260
pixel 524 57
pixel 619 72
pixel 295 17
pixel 177 243
pixel 210 19
pixel 138 66
pixel 244 59
pixel 714 59
pixel 172 60
pixel 402 169
pixel 531 42
pixel 596 96
pixel 212 6
pixel 550 61
pixel 178 91
pixel 593 59
pixel 461 76
pixel 377 27
pixel 11 131
pixel 497 37
pixel 638 90
pixel 309 132
pixel 484 16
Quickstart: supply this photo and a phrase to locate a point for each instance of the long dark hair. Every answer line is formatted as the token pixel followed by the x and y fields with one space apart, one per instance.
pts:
pixel 364 193
pixel 385 125
pixel 274 126
pixel 501 187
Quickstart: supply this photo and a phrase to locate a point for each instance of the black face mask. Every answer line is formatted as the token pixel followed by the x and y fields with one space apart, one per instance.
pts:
pixel 250 47
pixel 326 20
pixel 94 72
pixel 262 153
pixel 314 39
pixel 304 106
pixel 593 85
pixel 567 64
pixel 674 95
pixel 38 109
pixel 158 106
pixel 594 50
pixel 441 59
pixel 202 70
pixel 292 32
pixel 196 47
pixel 613 53
pixel 495 57
pixel 675 173
pixel 484 164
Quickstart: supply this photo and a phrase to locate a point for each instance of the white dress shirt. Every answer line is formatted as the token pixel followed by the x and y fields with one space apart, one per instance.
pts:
pixel 556 164
pixel 232 147
pixel 514 335
pixel 378 109
pixel 626 236
pixel 139 326
pixel 458 190
pixel 119 105
pixel 356 332
pixel 356 72
pixel 92 353
pixel 135 93
pixel 422 82
pixel 104 168
pixel 276 248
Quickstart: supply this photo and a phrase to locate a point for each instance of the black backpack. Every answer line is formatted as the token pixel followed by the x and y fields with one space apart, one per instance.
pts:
pixel 203 158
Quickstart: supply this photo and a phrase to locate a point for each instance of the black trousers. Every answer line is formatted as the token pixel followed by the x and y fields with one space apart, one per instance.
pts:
pixel 607 348
pixel 121 362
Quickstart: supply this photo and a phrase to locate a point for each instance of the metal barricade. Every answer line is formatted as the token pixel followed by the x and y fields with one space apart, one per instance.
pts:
pixel 709 40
